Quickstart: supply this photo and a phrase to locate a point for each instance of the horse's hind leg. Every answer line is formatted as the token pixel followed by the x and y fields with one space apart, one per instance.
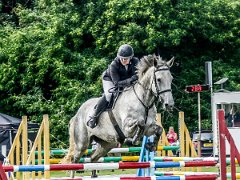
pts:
pixel 81 145
pixel 78 153
pixel 101 151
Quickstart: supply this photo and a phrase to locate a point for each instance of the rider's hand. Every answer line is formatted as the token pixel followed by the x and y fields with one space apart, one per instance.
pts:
pixel 134 78
pixel 128 82
pixel 124 83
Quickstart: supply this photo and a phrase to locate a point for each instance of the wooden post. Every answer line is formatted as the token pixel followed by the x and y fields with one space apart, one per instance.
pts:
pixel 17 155
pixel 22 155
pixel 39 156
pixel 46 145
pixel 16 145
pixel 43 133
pixel 24 143
pixel 163 139
pixel 186 145
pixel 181 134
pixel 160 142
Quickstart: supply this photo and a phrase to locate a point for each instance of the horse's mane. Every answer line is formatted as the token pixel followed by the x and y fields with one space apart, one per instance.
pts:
pixel 147 62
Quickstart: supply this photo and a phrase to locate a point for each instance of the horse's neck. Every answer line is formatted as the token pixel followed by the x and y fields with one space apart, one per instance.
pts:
pixel 137 101
pixel 144 88
pixel 134 106
pixel 144 94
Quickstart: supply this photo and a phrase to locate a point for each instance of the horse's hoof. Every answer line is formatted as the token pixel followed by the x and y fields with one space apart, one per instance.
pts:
pixel 128 142
pixel 150 147
pixel 160 131
pixel 94 175
pixel 137 142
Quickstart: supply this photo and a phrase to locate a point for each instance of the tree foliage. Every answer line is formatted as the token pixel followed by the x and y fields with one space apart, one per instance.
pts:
pixel 52 53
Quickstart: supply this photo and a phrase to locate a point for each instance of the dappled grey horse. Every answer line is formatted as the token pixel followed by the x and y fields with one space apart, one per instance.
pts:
pixel 134 111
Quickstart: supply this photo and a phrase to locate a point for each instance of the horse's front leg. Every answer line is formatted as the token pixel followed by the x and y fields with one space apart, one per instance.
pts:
pixel 152 146
pixel 138 134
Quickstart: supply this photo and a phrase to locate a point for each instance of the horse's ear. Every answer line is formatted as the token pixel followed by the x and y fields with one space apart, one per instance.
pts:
pixel 170 62
pixel 155 62
pixel 160 58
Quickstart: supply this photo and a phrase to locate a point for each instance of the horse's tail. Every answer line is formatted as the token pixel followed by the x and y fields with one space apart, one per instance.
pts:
pixel 69 157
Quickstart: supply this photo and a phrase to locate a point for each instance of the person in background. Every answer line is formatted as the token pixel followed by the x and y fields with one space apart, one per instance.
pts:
pixel 172 136
pixel 172 139
pixel 233 117
pixel 121 73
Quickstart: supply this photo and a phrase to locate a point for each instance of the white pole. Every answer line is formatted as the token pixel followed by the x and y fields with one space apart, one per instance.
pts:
pixel 199 125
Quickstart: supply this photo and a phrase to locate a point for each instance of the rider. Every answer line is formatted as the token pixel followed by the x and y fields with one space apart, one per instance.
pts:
pixel 120 74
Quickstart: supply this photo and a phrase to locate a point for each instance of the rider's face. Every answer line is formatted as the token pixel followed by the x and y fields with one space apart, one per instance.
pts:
pixel 125 61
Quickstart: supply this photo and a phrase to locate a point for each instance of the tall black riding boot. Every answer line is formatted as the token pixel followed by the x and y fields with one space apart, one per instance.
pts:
pixel 101 106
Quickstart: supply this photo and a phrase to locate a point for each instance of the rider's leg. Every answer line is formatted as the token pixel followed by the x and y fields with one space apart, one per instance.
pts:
pixel 102 103
pixel 101 106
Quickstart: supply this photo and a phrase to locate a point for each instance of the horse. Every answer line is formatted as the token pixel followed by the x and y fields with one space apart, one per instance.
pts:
pixel 134 111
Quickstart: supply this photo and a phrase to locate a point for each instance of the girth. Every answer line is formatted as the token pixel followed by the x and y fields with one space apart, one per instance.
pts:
pixel 122 137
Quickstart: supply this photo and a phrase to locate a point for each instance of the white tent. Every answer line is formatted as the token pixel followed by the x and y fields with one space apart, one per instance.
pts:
pixel 218 100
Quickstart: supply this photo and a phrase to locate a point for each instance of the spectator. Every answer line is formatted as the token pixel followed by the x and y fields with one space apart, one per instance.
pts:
pixel 172 139
pixel 172 136
pixel 233 117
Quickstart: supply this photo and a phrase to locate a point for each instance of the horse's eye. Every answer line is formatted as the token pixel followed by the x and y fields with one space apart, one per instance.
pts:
pixel 159 80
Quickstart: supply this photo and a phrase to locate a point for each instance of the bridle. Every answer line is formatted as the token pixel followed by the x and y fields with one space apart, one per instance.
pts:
pixel 158 90
pixel 155 80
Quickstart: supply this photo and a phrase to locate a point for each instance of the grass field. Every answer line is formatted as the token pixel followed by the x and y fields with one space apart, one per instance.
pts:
pixel 100 173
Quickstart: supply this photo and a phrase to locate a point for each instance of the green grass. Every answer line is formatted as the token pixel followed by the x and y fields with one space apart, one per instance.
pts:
pixel 100 173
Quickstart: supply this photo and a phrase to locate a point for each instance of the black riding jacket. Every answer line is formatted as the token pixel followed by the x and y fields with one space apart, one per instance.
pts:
pixel 118 74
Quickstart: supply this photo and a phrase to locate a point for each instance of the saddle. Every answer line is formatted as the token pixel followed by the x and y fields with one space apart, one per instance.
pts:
pixel 111 103
pixel 113 100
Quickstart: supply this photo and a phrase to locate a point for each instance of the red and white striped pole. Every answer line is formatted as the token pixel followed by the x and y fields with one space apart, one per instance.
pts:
pixel 223 132
pixel 222 146
pixel 2 173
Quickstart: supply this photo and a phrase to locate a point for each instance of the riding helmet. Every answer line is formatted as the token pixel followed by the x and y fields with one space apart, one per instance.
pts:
pixel 125 51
